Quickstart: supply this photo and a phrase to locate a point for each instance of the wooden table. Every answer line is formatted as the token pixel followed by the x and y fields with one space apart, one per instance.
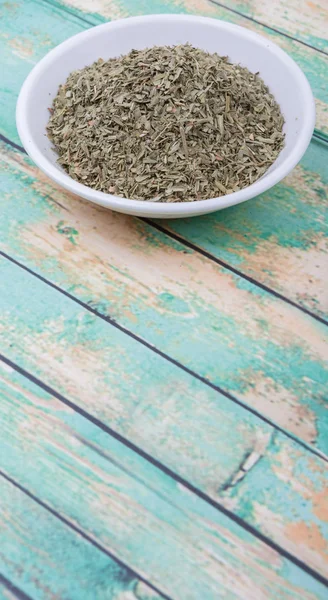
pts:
pixel 163 421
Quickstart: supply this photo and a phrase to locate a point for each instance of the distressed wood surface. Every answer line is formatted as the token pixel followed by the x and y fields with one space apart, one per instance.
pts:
pixel 43 558
pixel 168 372
pixel 23 42
pixel 213 322
pixel 8 591
pixel 313 63
pixel 280 238
pixel 305 20
pixel 135 511
pixel 209 441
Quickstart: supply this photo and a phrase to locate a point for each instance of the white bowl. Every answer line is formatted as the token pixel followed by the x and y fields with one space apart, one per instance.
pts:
pixel 284 78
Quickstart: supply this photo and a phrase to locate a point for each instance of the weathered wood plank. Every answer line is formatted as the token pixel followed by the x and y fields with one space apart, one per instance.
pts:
pixel 23 42
pixel 10 592
pixel 224 328
pixel 266 250
pixel 28 31
pixel 305 20
pixel 235 492
pixel 279 238
pixel 206 439
pixel 134 510
pixel 272 257
pixel 314 64
pixel 44 558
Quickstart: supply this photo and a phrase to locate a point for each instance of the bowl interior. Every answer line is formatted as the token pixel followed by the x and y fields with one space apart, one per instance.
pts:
pixel 278 71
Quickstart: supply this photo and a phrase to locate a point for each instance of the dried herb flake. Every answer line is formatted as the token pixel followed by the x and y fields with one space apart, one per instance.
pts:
pixel 170 124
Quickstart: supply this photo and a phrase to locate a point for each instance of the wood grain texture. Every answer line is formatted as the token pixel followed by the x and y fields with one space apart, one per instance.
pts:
pixel 279 238
pixel 313 63
pixel 212 321
pixel 186 547
pixel 214 444
pixel 8 591
pixel 216 323
pixel 305 20
pixel 44 559
pixel 28 31
pixel 23 42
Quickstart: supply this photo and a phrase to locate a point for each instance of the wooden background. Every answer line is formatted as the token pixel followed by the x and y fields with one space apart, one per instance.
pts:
pixel 163 385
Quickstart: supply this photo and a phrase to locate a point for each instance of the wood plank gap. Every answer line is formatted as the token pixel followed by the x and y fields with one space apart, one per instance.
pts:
pixel 222 5
pixel 210 256
pixel 165 356
pixel 282 33
pixel 69 12
pixel 13 589
pixel 79 531
pixel 193 489
pixel 320 135
pixel 225 265
pixel 12 144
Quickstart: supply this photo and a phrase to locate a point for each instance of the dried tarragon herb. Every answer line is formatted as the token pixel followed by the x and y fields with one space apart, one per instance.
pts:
pixel 170 124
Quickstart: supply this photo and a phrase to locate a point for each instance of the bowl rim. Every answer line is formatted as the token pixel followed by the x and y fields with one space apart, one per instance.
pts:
pixel 146 207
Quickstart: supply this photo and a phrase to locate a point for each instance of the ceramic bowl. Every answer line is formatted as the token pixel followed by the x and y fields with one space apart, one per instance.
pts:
pixel 284 78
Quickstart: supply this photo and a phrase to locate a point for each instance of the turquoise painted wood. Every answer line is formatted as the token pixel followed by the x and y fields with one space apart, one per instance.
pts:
pixel 217 324
pixel 266 251
pixel 280 238
pixel 9 592
pixel 273 238
pixel 44 558
pixel 209 441
pixel 24 42
pixel 28 32
pixel 187 547
pixel 162 513
pixel 304 20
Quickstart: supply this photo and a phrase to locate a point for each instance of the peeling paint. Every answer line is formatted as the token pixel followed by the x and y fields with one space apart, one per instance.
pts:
pixel 58 25
pixel 111 9
pixel 23 48
pixel 305 20
pixel 269 355
pixel 150 520
pixel 47 560
pixel 248 337
pixel 279 238
pixel 172 416
pixel 281 406
pixel 308 539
